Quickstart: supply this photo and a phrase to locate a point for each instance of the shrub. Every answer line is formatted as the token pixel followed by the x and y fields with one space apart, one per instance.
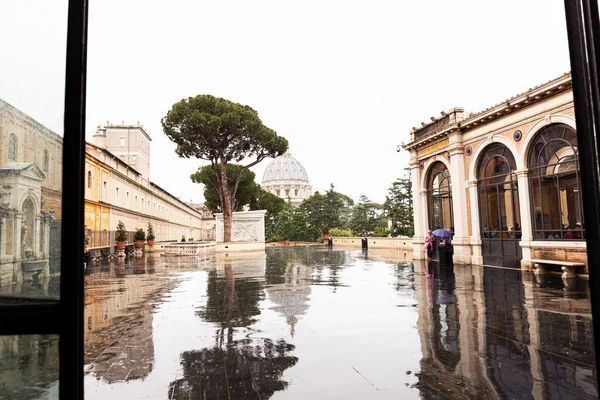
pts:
pixel 274 238
pixel 381 232
pixel 340 232
pixel 139 234
pixel 183 238
pixel 150 235
pixel 190 239
pixel 121 233
pixel 320 240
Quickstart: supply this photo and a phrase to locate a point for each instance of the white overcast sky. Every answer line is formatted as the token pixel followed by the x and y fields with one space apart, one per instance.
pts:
pixel 343 81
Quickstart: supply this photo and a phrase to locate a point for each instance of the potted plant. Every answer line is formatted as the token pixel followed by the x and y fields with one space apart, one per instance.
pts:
pixel 139 238
pixel 86 243
pixel 121 237
pixel 150 236
pixel 183 238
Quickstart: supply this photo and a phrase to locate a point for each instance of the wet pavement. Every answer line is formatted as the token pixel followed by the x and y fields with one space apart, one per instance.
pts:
pixel 309 322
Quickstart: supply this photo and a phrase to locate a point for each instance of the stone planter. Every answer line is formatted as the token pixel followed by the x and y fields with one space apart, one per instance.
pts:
pixel 121 249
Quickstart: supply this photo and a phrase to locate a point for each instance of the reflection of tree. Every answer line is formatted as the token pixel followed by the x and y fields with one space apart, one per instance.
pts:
pixel 231 303
pixel 242 369
pixel 233 369
pixel 279 259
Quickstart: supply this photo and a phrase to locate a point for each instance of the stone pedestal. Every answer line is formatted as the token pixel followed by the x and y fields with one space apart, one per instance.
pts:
pixel 247 231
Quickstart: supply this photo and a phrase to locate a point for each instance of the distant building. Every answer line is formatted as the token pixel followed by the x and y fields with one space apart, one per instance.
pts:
pixel 505 180
pixel 286 177
pixel 115 190
pixel 209 222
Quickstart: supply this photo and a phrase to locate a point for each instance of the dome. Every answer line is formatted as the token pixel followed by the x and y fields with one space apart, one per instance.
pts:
pixel 286 177
pixel 283 168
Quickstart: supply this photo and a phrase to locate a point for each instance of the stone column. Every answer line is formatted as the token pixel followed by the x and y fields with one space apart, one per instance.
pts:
pixel 460 242
pixel 47 236
pixel 17 237
pixel 476 257
pixel 525 210
pixel 2 237
pixel 418 211
pixel 36 237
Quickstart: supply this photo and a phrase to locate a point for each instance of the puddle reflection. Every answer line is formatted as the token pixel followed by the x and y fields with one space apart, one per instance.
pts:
pixel 314 322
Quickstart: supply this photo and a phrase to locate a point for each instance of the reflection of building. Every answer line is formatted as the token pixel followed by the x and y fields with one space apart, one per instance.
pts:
pixel 30 184
pixel 291 298
pixel 115 354
pixel 287 178
pixel 493 334
pixel 29 365
pixel 505 180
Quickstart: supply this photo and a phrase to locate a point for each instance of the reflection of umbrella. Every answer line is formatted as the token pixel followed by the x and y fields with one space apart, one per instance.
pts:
pixel 442 233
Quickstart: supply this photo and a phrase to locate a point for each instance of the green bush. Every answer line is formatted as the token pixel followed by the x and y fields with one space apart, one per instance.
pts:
pixel 121 233
pixel 381 232
pixel 339 232
pixel 150 235
pixel 139 234
pixel 320 240
pixel 274 238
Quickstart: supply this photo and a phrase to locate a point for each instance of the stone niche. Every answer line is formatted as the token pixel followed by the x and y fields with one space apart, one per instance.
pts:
pixel 24 228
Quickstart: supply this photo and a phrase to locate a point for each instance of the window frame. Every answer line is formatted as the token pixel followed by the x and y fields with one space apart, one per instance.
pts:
pixel 65 316
pixel 538 175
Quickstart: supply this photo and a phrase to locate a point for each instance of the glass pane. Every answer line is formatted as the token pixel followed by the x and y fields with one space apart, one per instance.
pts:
pixel 29 367
pixel 31 128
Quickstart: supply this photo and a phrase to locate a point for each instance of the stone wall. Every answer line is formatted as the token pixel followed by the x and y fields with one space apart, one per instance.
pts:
pixel 375 242
pixel 246 226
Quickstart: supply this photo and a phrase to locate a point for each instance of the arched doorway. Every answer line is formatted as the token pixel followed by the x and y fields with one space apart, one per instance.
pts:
pixel 499 209
pixel 553 164
pixel 439 201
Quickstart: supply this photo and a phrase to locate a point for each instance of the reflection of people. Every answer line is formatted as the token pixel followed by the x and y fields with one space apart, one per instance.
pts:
pixel 429 266
pixel 428 247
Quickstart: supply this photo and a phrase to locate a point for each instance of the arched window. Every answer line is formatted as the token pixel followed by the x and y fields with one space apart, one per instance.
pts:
pixel 498 193
pixel 499 209
pixel 12 147
pixel 439 198
pixel 89 179
pixel 45 160
pixel 555 184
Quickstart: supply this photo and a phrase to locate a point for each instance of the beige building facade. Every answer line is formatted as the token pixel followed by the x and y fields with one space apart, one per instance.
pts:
pixel 504 181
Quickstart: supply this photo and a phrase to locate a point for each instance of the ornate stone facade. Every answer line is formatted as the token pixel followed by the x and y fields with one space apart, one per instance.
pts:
pixel 513 191
pixel 286 177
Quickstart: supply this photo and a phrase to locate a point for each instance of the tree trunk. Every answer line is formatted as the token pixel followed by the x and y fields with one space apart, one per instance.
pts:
pixel 227 212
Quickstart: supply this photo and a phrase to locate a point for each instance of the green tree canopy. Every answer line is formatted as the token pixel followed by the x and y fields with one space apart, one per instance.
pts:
pixel 399 207
pixel 245 192
pixel 365 217
pixel 221 131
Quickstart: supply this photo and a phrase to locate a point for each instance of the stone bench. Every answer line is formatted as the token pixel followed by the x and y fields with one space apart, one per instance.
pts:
pixel 568 267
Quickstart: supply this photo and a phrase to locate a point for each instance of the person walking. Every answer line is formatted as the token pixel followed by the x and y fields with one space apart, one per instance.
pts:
pixel 428 247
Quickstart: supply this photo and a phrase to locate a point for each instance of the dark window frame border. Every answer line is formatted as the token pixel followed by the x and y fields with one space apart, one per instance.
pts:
pixel 65 316
pixel 583 31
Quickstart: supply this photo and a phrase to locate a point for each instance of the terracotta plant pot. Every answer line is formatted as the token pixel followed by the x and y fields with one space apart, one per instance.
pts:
pixel 286 242
pixel 150 242
pixel 139 244
pixel 121 245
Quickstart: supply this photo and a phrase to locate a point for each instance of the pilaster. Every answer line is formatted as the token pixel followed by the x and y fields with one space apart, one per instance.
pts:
pixel 525 211
pixel 476 256
pixel 460 242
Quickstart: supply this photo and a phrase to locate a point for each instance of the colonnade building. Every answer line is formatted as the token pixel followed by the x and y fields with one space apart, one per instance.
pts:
pixel 504 181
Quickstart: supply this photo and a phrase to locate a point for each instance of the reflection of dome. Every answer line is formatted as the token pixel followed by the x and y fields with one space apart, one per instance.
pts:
pixel 286 177
pixel 291 298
